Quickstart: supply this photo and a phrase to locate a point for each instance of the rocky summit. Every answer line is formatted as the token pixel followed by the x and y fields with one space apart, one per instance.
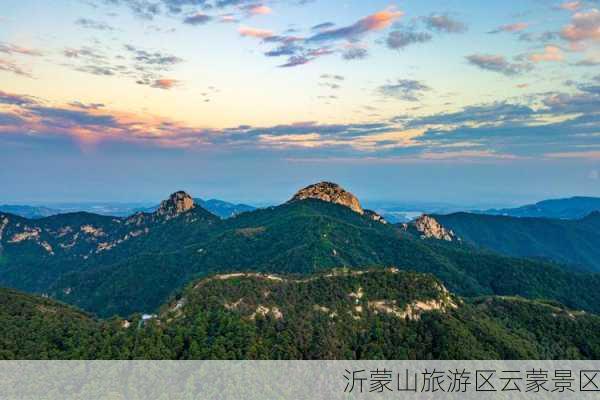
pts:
pixel 430 228
pixel 329 192
pixel 177 203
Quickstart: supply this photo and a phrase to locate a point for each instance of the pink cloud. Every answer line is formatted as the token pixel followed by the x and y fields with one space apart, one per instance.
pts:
pixel 228 18
pixel 571 5
pixel 255 32
pixel 14 49
pixel 584 26
pixel 258 9
pixel 550 54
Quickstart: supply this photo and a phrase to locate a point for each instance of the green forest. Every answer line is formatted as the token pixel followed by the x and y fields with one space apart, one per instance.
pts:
pixel 339 314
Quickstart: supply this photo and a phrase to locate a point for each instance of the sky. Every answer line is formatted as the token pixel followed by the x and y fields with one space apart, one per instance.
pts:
pixel 466 102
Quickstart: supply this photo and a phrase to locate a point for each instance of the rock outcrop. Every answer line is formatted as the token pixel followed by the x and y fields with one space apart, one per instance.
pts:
pixel 178 203
pixel 430 228
pixel 375 217
pixel 329 192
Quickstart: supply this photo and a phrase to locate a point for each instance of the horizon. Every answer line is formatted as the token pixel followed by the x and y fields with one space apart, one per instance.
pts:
pixel 263 203
pixel 119 100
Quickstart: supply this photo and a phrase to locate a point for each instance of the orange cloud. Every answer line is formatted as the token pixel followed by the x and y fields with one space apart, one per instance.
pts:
pixel 550 54
pixel 380 20
pixel 254 32
pixel 165 84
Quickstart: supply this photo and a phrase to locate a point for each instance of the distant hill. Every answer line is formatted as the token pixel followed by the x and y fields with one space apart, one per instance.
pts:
pixel 220 208
pixel 335 314
pixel 30 212
pixel 575 242
pixel 571 208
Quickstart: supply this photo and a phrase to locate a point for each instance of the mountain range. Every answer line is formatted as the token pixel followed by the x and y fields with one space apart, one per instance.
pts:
pixel 220 208
pixel 148 262
pixel 570 208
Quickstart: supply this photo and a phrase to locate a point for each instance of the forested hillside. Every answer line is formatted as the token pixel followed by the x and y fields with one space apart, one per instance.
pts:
pixel 339 314
pixel 575 243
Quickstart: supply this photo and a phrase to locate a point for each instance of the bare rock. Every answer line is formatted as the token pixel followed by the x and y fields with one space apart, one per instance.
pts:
pixel 178 203
pixel 430 228
pixel 331 193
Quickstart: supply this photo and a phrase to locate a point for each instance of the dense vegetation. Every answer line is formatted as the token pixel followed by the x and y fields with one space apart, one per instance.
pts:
pixel 340 315
pixel 139 274
pixel 572 242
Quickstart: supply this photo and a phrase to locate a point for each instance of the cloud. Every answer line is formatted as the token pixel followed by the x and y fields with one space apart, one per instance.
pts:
pixel 479 114
pixel 9 66
pixel 141 8
pixel 164 83
pixel 550 54
pixel 62 117
pixel 177 6
pixel 404 89
pixel 256 9
pixel 15 99
pixel 334 77
pixel 152 57
pixel 588 62
pixel 87 106
pixel 143 66
pixel 582 102
pixel 401 39
pixel 255 32
pixel 355 53
pixel 493 130
pixel 543 37
pixel 93 24
pixel 12 49
pixel 302 56
pixel 323 26
pixel 584 26
pixel 295 61
pixel 444 23
pixel 497 63
pixel 374 22
pixel 570 5
pixel 511 28
pixel 8 119
pixel 197 19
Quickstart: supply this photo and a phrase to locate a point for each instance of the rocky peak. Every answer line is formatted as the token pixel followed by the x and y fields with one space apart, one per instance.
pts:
pixel 430 228
pixel 177 203
pixel 329 192
pixel 375 217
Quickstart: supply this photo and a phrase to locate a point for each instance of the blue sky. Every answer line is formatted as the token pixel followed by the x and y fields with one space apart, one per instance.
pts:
pixel 247 100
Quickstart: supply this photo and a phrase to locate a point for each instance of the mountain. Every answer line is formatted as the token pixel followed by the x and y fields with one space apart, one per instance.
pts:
pixel 220 208
pixel 110 266
pixel 28 211
pixel 574 242
pixel 571 208
pixel 335 314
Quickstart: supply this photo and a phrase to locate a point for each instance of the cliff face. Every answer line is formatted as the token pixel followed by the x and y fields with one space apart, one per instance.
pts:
pixel 176 204
pixel 430 228
pixel 330 192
